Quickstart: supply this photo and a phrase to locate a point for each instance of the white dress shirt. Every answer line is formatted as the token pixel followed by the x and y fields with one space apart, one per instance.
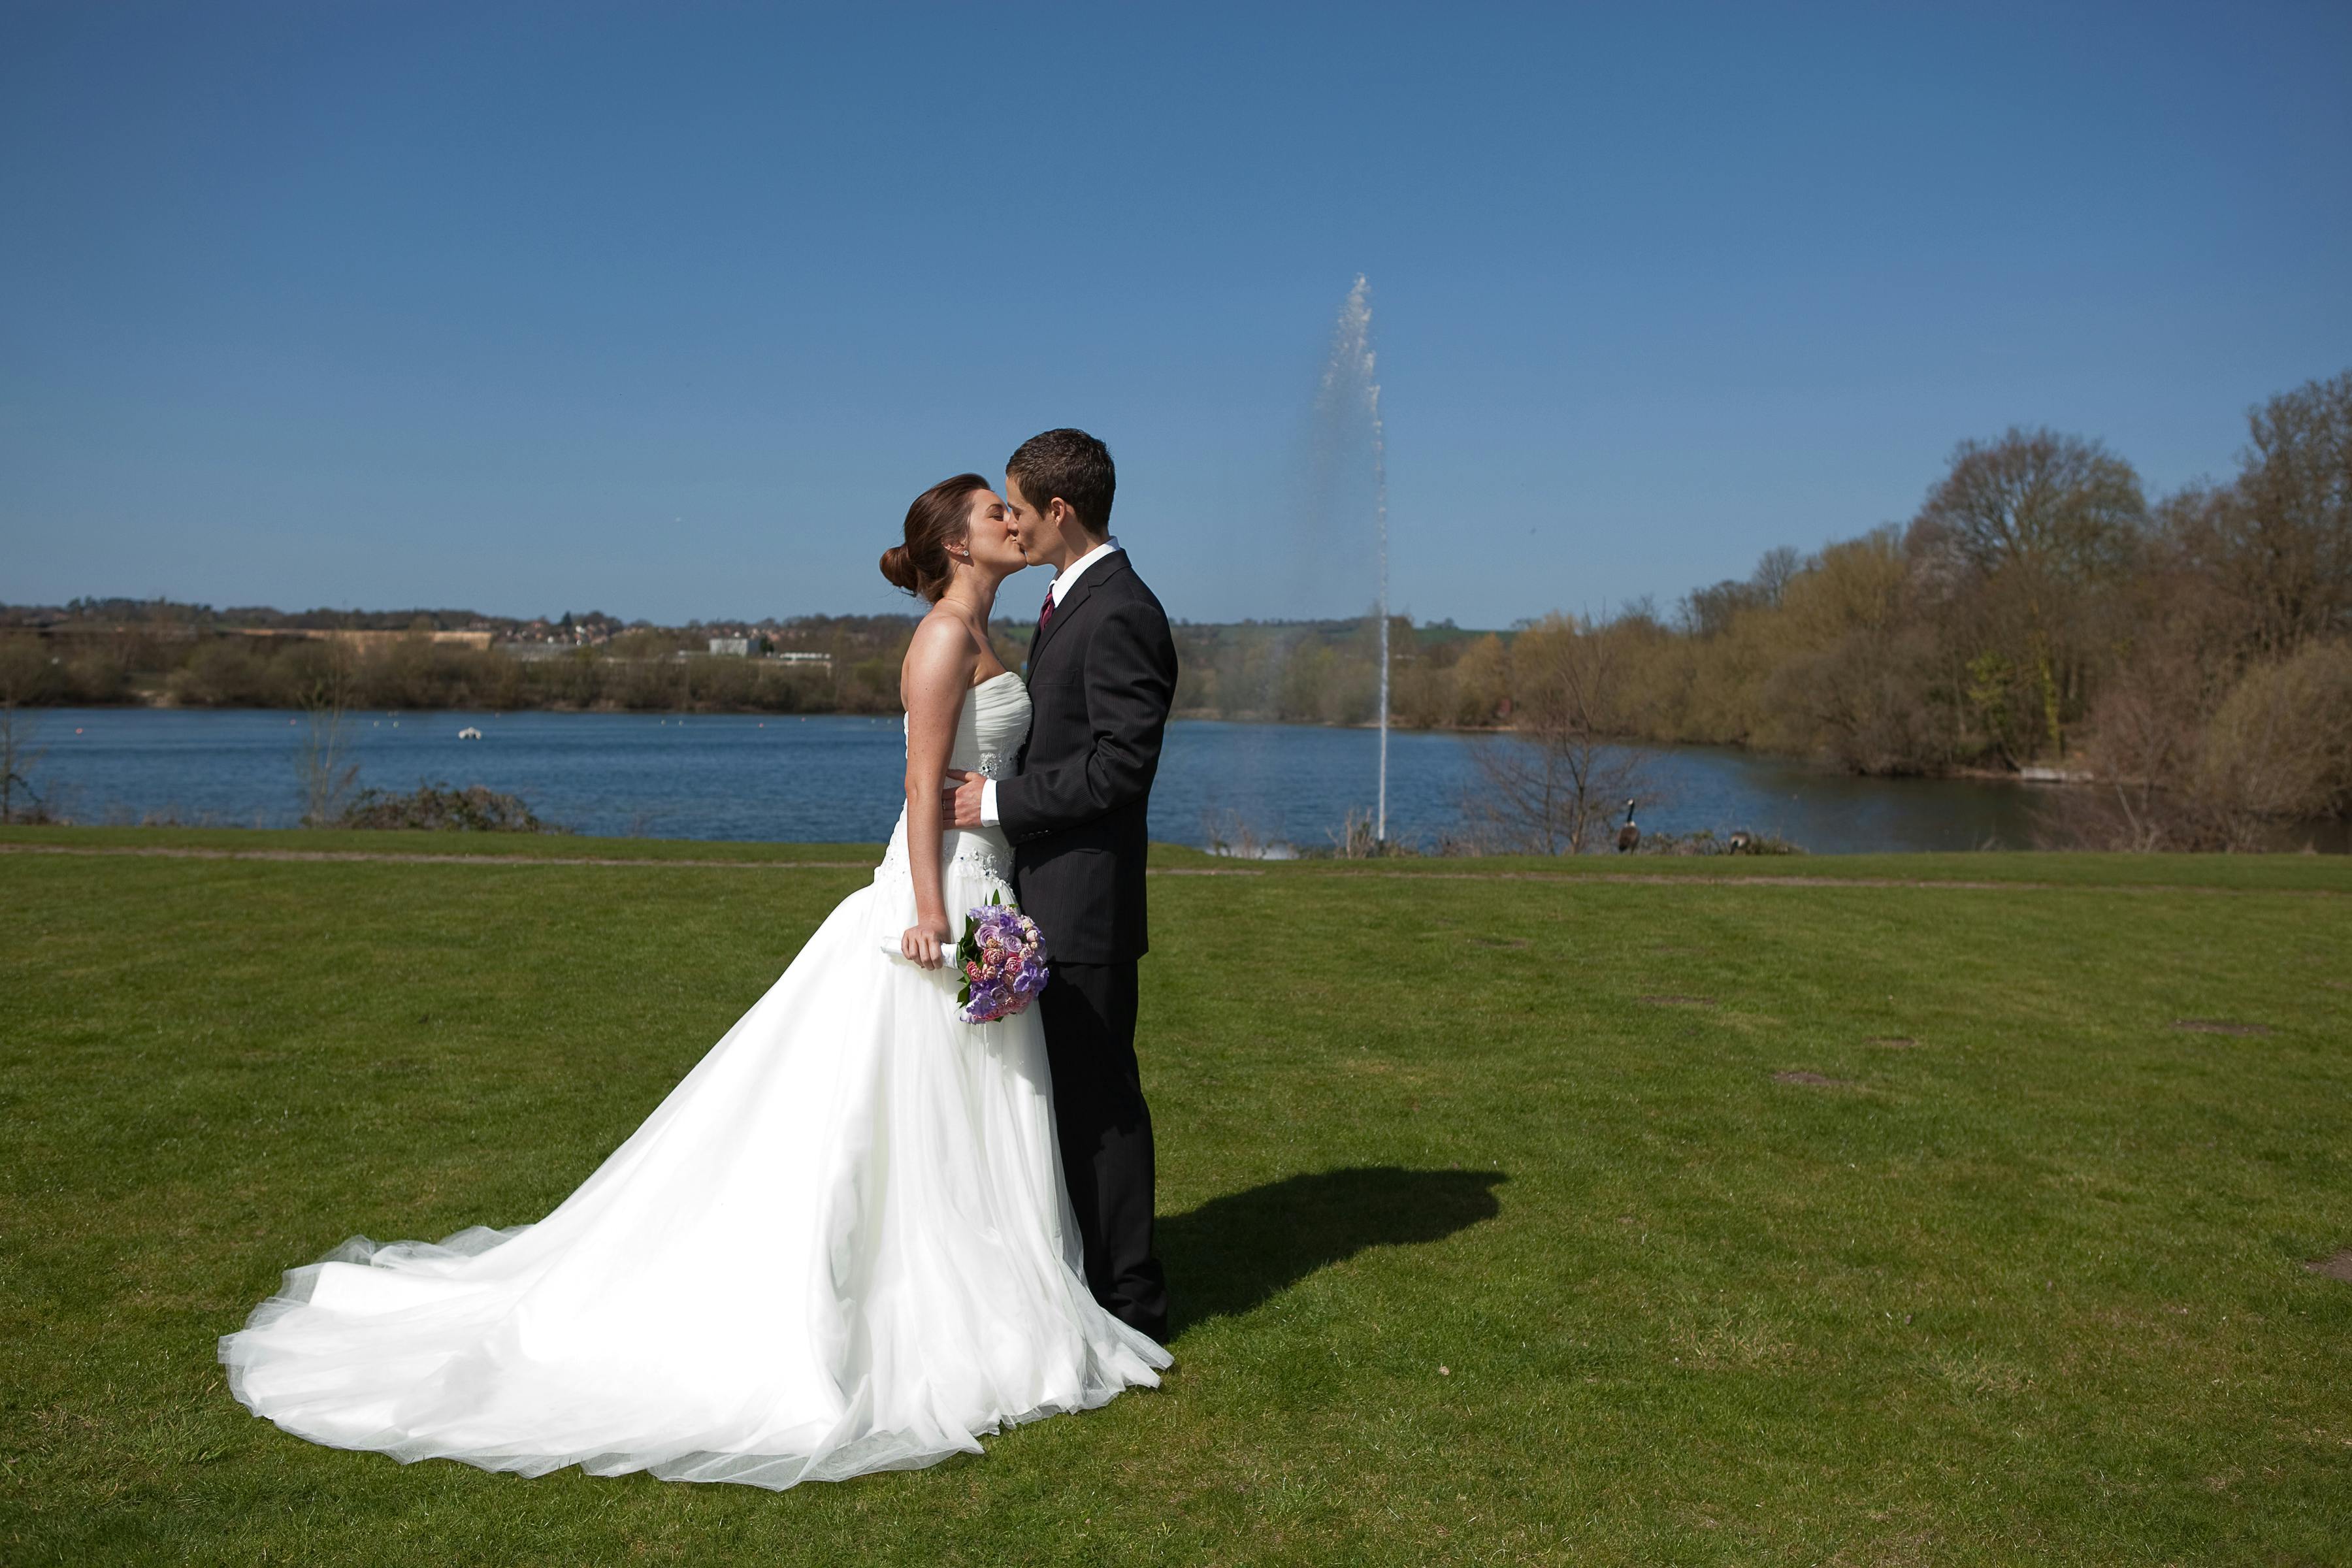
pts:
pixel 1063 581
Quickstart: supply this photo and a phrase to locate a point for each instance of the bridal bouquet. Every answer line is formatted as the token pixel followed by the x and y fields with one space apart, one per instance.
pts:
pixel 1003 963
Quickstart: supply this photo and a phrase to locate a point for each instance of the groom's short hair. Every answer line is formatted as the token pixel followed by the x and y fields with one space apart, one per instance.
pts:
pixel 1072 465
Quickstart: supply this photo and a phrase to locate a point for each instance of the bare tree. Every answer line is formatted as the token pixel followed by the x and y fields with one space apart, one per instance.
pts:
pixel 327 776
pixel 1353 839
pixel 1556 784
pixel 2278 539
pixel 2147 735
pixel 1709 612
pixel 27 677
pixel 1775 570
pixel 19 758
pixel 2056 506
pixel 2021 538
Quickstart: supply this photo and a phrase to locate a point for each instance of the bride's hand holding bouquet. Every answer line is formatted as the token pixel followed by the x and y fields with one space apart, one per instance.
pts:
pixel 927 941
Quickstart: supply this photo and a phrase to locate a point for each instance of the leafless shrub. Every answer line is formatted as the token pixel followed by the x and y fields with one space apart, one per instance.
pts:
pixel 19 802
pixel 1557 784
pixel 327 776
pixel 1354 839
pixel 27 674
pixel 1229 833
pixel 1549 795
pixel 2146 733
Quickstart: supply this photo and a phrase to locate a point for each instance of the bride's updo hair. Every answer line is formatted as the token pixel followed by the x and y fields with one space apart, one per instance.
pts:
pixel 936 520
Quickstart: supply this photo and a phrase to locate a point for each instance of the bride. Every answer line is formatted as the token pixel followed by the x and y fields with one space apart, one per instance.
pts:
pixel 842 1244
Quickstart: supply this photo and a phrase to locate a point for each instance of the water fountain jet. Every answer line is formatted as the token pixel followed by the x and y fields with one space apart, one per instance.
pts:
pixel 1351 378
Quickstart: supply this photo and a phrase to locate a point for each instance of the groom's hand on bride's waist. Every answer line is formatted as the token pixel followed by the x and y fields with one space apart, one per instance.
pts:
pixel 960 803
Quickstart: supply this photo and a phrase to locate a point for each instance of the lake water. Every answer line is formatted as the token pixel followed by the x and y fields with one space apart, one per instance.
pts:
pixel 829 778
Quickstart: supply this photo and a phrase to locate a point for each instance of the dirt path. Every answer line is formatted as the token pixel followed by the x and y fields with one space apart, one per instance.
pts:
pixel 1635 879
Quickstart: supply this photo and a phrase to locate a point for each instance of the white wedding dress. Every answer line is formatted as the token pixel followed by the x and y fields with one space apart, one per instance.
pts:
pixel 842 1244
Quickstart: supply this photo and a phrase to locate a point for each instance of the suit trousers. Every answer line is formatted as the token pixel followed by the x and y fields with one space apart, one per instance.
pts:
pixel 1089 1011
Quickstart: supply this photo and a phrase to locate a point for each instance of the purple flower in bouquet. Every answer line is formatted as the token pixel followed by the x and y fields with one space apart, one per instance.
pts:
pixel 1003 962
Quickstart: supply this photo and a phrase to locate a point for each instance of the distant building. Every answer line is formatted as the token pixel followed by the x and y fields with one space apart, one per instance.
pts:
pixel 382 642
pixel 735 647
pixel 795 656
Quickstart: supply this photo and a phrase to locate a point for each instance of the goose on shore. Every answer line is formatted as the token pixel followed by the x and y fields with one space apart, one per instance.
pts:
pixel 1629 838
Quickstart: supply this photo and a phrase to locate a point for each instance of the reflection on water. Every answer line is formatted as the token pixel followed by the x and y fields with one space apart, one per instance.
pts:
pixel 835 779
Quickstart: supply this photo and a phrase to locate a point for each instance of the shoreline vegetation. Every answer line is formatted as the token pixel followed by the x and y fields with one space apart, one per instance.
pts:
pixel 2037 618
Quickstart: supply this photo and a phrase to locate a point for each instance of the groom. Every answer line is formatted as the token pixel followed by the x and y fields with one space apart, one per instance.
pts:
pixel 1102 671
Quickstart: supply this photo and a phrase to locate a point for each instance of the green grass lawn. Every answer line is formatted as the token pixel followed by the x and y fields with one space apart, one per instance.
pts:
pixel 1497 1233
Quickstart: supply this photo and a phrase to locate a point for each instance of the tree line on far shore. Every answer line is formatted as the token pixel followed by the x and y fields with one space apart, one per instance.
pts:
pixel 2191 654
pixel 650 669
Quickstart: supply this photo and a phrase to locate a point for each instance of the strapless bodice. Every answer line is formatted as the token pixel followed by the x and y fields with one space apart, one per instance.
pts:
pixel 995 717
pixel 976 861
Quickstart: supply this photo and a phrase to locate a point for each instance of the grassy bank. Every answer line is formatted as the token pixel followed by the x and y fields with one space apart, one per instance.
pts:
pixel 1516 1213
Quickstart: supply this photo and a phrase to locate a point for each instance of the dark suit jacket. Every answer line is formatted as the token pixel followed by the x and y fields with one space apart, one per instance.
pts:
pixel 1101 676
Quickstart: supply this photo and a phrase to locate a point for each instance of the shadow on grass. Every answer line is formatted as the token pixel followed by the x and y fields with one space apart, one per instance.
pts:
pixel 1234 1252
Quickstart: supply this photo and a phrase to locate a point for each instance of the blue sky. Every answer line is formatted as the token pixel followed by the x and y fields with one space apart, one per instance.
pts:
pixel 669 310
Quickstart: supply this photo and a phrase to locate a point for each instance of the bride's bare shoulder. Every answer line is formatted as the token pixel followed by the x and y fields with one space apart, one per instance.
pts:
pixel 944 633
pixel 938 662
pixel 953 634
